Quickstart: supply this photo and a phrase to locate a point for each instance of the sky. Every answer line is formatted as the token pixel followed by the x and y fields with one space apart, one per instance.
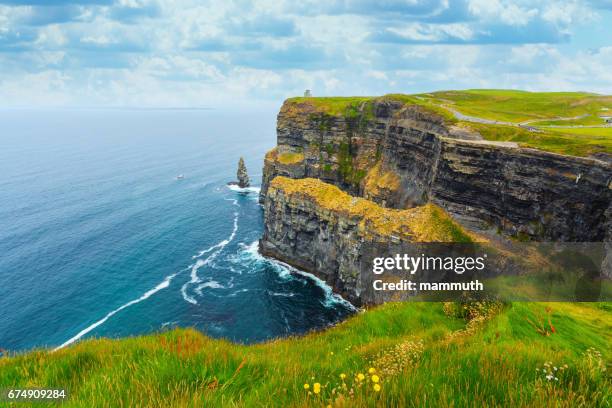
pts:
pixel 230 53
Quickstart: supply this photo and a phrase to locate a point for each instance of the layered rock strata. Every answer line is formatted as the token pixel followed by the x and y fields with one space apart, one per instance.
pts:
pixel 318 228
pixel 401 156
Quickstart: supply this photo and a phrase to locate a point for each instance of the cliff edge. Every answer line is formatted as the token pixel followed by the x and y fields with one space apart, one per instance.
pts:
pixel 347 174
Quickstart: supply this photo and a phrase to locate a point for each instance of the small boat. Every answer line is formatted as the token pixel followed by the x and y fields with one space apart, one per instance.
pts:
pixel 180 177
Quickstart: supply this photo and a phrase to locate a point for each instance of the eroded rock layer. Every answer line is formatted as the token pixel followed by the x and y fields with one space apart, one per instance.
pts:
pixel 318 228
pixel 401 156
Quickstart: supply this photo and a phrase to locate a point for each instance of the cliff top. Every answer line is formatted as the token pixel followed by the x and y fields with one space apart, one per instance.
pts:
pixel 428 223
pixel 569 123
pixel 511 106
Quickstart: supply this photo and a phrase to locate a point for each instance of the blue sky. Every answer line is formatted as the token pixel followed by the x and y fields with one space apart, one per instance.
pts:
pixel 182 53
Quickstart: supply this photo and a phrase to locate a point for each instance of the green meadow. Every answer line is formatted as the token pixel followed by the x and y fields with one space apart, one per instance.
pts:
pixel 569 141
pixel 518 106
pixel 543 108
pixel 469 354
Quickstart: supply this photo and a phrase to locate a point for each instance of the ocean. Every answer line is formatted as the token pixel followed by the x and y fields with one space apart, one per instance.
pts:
pixel 98 237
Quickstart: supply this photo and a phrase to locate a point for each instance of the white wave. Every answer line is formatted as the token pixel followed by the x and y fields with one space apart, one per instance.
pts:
pixel 210 284
pixel 331 298
pixel 165 283
pixel 162 285
pixel 285 270
pixel 281 294
pixel 253 249
pixel 204 251
pixel 234 187
pixel 201 262
pixel 281 268
pixel 238 291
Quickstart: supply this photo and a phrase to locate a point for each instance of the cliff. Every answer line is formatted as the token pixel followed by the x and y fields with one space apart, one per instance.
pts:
pixel 318 228
pixel 400 155
pixel 350 180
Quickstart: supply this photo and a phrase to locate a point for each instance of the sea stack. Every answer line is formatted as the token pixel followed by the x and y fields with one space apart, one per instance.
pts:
pixel 243 177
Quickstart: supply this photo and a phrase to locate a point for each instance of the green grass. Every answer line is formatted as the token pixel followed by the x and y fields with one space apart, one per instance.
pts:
pixel 502 105
pixel 602 133
pixel 518 106
pixel 351 106
pixel 334 105
pixel 591 120
pixel 484 365
pixel 569 141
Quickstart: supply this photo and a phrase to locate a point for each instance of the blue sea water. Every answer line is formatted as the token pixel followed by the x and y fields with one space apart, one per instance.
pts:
pixel 99 238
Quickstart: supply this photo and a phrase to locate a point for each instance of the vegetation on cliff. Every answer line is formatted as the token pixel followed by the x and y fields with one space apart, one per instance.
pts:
pixel 379 181
pixel 519 106
pixel 414 354
pixel 428 223
pixel 568 141
pixel 509 107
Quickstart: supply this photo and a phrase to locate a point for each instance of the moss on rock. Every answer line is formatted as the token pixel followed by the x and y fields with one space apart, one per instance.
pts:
pixel 428 223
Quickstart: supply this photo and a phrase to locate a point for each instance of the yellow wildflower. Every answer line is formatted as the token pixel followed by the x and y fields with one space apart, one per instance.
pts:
pixel 317 388
pixel 372 370
pixel 377 387
pixel 306 386
pixel 375 378
pixel 360 377
pixel 343 376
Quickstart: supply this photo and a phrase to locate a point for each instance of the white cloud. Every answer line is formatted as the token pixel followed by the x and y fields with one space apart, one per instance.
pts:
pixel 506 11
pixel 195 53
pixel 433 32
pixel 567 12
pixel 99 40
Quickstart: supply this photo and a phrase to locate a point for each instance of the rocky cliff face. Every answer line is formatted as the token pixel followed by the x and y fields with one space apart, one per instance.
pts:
pixel 316 227
pixel 403 156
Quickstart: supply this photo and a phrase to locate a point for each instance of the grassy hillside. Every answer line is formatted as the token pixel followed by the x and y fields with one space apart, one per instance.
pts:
pixel 570 141
pixel 422 354
pixel 518 106
pixel 539 108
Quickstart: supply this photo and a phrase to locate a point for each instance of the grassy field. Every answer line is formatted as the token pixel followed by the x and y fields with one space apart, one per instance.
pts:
pixel 494 104
pixel 519 106
pixel 602 133
pixel 503 105
pixel 350 105
pixel 570 141
pixel 591 120
pixel 399 354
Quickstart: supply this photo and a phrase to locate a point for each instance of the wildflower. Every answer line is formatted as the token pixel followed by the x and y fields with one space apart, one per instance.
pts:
pixel 372 370
pixel 331 353
pixel 342 376
pixel 375 378
pixel 306 386
pixel 549 377
pixel 377 387
pixel 316 388
pixel 360 377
